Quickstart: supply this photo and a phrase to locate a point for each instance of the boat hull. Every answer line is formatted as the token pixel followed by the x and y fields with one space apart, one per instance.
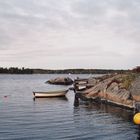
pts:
pixel 61 93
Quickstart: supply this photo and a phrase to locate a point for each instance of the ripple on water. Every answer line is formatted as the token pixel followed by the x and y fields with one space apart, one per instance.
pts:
pixel 23 118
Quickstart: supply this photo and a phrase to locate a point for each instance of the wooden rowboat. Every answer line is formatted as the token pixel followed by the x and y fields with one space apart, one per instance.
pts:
pixel 58 93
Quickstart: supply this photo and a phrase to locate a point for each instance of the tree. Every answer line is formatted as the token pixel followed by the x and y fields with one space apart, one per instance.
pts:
pixel 136 69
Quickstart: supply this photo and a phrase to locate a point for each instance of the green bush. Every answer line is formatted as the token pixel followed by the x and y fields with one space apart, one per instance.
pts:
pixel 128 79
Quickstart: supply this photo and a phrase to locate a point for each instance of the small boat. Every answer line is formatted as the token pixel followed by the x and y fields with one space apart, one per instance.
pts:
pixel 58 93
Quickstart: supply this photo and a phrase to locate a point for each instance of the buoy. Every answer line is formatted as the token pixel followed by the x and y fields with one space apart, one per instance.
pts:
pixel 136 118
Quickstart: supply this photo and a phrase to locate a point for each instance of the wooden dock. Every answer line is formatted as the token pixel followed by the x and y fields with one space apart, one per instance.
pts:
pixel 81 84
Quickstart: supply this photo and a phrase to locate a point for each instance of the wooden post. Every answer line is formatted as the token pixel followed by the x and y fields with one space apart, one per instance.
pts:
pixel 76 100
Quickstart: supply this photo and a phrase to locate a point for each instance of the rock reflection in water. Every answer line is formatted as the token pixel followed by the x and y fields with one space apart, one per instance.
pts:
pixel 101 121
pixel 127 115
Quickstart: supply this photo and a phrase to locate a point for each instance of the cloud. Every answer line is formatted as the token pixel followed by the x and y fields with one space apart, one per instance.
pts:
pixel 60 31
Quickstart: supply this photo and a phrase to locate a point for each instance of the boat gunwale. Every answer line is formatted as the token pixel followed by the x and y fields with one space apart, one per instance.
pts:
pixel 50 92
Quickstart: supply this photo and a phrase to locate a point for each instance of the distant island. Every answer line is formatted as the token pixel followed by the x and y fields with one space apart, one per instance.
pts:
pixel 16 70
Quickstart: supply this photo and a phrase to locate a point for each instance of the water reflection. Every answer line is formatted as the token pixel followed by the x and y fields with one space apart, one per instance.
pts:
pixel 52 99
pixel 138 131
pixel 105 121
pixel 127 115
pixel 76 101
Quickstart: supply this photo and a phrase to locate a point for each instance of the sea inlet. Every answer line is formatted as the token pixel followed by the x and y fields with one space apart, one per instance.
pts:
pixel 23 118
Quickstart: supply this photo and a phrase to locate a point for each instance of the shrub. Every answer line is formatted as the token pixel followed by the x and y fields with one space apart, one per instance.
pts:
pixel 137 69
pixel 128 79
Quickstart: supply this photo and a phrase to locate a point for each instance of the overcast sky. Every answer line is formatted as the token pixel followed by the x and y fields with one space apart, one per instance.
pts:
pixel 57 34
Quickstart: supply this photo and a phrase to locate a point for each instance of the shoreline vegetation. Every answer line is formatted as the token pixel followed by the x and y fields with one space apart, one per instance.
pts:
pixel 16 70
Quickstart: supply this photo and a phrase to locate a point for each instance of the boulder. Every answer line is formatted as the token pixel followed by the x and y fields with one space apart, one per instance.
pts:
pixel 61 81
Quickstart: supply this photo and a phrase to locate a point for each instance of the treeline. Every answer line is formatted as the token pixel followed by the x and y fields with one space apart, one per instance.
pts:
pixel 136 69
pixel 84 71
pixel 15 70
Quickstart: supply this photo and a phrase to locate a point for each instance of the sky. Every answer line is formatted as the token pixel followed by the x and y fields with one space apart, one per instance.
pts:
pixel 63 34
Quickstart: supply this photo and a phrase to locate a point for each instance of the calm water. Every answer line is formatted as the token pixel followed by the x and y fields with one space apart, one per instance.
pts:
pixel 22 118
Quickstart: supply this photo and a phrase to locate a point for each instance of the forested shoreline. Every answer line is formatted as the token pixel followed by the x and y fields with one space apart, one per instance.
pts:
pixel 16 70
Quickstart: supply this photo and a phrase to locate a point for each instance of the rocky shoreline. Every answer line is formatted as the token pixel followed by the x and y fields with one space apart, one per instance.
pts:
pixel 121 90
pixel 118 89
